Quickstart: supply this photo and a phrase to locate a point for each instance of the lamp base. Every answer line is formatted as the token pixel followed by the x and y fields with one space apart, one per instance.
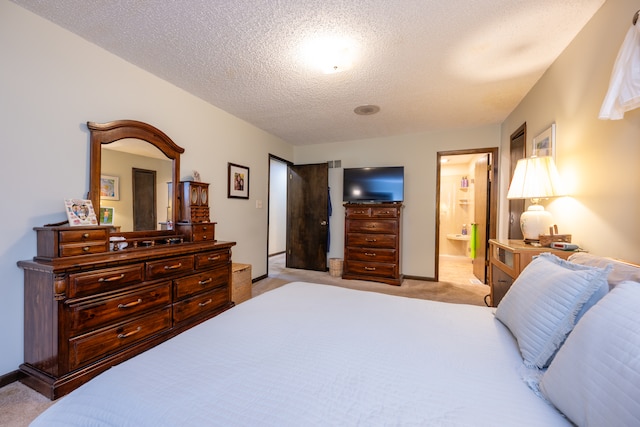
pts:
pixel 534 222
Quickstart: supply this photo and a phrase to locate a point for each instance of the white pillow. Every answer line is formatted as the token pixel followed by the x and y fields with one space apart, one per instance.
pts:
pixel 595 377
pixel 621 272
pixel 541 307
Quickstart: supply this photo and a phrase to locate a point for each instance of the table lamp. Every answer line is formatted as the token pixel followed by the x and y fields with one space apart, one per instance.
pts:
pixel 535 178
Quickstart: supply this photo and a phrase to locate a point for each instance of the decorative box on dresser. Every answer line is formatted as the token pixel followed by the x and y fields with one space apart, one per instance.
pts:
pixel 193 220
pixel 88 308
pixel 372 242
pixel 507 259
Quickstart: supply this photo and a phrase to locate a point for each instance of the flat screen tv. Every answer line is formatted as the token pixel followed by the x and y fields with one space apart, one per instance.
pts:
pixel 379 184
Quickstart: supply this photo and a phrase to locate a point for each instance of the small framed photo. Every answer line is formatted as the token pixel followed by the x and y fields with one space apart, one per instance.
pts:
pixel 238 185
pixel 109 187
pixel 545 143
pixel 106 215
pixel 80 212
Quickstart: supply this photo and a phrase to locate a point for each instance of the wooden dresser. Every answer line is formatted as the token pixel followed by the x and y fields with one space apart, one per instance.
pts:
pixel 88 308
pixel 372 242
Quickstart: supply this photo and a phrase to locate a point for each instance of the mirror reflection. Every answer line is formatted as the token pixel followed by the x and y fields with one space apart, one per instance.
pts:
pixel 133 186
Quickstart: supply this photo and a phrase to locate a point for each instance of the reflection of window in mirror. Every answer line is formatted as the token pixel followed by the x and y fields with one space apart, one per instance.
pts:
pixel 119 159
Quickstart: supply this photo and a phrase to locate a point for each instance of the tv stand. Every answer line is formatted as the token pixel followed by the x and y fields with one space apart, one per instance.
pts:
pixel 372 242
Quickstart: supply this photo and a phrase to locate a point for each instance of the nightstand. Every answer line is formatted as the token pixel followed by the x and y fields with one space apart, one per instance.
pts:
pixel 507 259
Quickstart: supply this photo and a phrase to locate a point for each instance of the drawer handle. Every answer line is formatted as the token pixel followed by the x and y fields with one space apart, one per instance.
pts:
pixel 370 240
pixel 173 267
pixel 204 237
pixel 370 268
pixel 85 236
pixel 110 279
pixel 359 212
pixel 207 302
pixel 214 258
pixel 369 254
pixel 370 226
pixel 86 249
pixel 128 334
pixel 204 282
pixel 204 228
pixel 130 304
pixel 502 281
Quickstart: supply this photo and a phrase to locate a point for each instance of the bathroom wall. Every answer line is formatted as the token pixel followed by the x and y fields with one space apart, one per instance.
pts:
pixel 456 207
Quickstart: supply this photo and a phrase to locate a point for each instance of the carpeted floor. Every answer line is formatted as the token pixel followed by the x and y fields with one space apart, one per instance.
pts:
pixel 19 405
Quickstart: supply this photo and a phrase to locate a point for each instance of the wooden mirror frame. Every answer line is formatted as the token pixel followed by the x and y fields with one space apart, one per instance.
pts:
pixel 106 133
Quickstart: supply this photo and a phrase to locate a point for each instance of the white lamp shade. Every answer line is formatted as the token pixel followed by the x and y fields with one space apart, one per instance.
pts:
pixel 535 178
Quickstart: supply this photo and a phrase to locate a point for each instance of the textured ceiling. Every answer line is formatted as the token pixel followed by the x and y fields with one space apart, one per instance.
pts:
pixel 428 64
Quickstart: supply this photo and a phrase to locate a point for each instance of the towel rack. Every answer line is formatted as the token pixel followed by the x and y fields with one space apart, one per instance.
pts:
pixel 635 17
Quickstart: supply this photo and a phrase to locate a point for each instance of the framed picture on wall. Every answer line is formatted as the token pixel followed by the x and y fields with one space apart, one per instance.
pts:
pixel 238 185
pixel 545 143
pixel 109 187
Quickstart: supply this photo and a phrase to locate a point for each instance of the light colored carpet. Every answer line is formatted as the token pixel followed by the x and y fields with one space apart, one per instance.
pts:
pixel 459 289
pixel 19 405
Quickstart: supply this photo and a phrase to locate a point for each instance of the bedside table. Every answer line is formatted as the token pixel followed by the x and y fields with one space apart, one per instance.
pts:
pixel 507 259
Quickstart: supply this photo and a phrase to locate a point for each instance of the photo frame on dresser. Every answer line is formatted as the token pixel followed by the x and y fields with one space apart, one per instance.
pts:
pixel 238 181
pixel 80 212
pixel 106 215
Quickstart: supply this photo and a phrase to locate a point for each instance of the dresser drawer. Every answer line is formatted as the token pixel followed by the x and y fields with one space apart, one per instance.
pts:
pixel 169 267
pixel 95 345
pixel 358 212
pixel 202 232
pixel 371 254
pixel 373 226
pixel 81 236
pixel 200 305
pixel 200 282
pixel 105 280
pixel 90 314
pixel 373 269
pixel 371 240
pixel 73 249
pixel 384 212
pixel 212 259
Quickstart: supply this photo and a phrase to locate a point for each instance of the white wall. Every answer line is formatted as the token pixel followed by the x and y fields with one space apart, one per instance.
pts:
pixel 597 159
pixel 277 207
pixel 52 82
pixel 418 154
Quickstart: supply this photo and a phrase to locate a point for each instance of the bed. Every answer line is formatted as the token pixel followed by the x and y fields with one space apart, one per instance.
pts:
pixel 319 355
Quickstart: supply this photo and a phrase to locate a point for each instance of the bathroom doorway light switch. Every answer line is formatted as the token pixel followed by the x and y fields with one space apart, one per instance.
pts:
pixel 258 204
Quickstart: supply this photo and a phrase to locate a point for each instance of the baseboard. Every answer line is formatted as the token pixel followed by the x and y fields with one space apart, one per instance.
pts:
pixel 257 279
pixel 9 378
pixel 426 279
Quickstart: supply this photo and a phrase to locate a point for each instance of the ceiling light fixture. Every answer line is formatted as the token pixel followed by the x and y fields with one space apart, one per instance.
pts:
pixel 366 110
pixel 331 54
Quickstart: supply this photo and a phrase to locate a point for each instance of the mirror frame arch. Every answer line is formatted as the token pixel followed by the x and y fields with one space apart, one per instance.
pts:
pixel 106 133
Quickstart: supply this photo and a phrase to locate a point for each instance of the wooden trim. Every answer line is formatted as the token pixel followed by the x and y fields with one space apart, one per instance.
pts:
pixel 257 279
pixel 423 278
pixel 10 377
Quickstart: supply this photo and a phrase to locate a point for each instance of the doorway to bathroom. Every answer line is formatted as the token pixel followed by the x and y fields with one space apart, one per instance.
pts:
pixel 466 214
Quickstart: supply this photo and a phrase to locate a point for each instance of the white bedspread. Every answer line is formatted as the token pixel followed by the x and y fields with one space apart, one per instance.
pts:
pixel 318 355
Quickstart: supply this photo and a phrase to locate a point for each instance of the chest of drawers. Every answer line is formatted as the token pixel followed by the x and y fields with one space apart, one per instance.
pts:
pixel 372 242
pixel 86 313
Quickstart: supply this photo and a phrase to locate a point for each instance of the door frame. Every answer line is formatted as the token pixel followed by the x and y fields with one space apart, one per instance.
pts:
pixel 492 203
pixel 288 163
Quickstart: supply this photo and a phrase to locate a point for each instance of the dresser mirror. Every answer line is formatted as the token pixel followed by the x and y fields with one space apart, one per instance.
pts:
pixel 128 157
